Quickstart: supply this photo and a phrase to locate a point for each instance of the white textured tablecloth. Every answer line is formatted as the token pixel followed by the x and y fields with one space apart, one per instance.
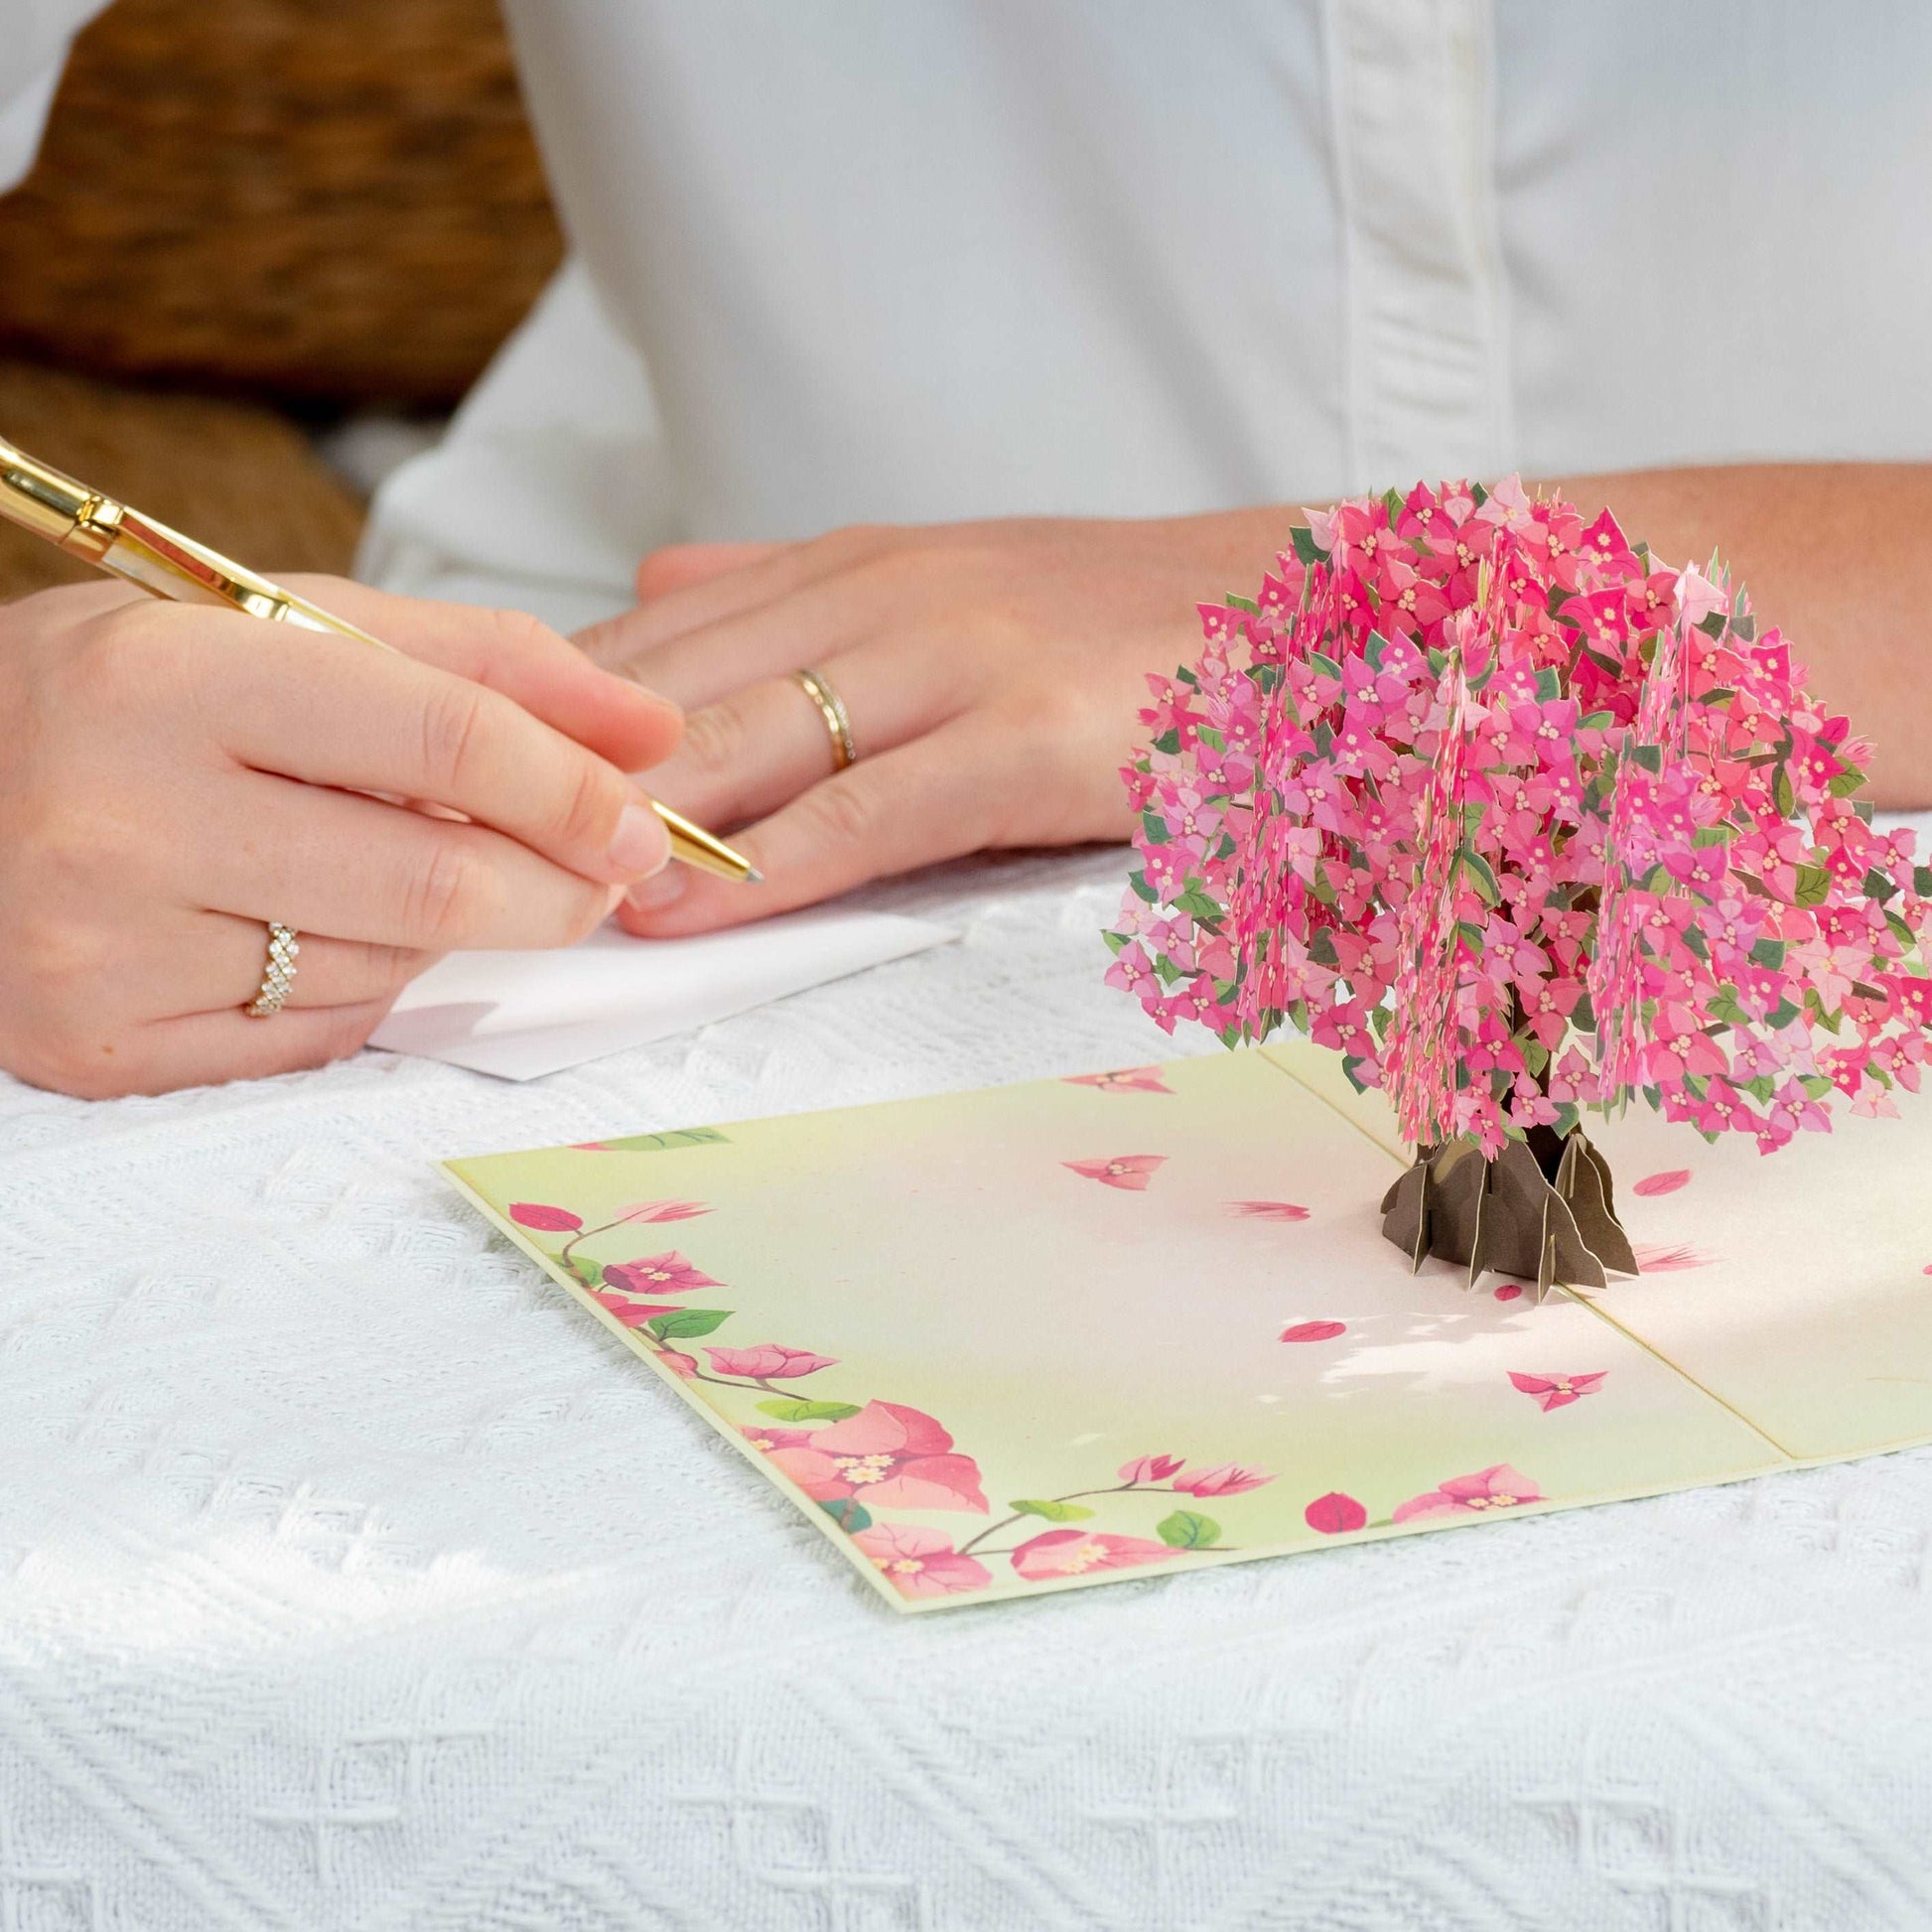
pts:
pixel 350 1577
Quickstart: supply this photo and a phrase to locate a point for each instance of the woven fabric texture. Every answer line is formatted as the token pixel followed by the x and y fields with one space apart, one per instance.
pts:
pixel 351 1576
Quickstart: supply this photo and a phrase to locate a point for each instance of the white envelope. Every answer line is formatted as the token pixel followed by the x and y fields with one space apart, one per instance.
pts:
pixel 520 1015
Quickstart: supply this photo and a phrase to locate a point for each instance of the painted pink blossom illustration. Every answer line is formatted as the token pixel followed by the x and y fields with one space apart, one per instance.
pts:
pixel 920 1563
pixel 1126 1079
pixel 1314 1331
pixel 1335 1514
pixel 1653 1184
pixel 666 1274
pixel 1152 1468
pixel 678 1362
pixel 766 1438
pixel 890 1457
pixel 1496 1487
pixel 1224 1479
pixel 1556 1391
pixel 768 1361
pixel 1075 1553
pixel 1668 1259
pixel 1267 1210
pixel 633 1314
pixel 662 1210
pixel 545 1220
pixel 1129 1170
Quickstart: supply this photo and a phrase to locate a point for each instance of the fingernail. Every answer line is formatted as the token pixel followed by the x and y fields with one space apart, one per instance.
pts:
pixel 640 844
pixel 653 895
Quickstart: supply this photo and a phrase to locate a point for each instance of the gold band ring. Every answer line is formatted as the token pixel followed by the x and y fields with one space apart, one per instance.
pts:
pixel 278 977
pixel 831 707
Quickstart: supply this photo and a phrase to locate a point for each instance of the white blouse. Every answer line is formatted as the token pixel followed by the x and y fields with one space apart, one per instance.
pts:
pixel 914 260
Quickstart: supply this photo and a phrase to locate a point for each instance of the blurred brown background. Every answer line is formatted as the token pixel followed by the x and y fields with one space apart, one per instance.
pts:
pixel 248 223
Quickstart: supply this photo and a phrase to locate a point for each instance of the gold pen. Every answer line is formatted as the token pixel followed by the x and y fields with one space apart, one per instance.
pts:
pixel 164 563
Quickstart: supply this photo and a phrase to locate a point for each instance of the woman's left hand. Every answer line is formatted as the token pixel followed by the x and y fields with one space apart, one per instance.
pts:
pixel 991 673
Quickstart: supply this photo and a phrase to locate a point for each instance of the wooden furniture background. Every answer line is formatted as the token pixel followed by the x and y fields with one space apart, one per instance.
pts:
pixel 247 222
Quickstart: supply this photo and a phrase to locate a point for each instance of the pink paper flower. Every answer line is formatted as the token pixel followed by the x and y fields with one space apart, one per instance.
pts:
pixel 1129 1170
pixel 1128 1079
pixel 1496 1487
pixel 1556 1391
pixel 1267 1210
pixel 768 1361
pixel 1224 1479
pixel 546 1221
pixel 1509 1292
pixel 1314 1331
pixel 1075 1552
pixel 1335 1514
pixel 668 1273
pixel 1564 823
pixel 890 1457
pixel 1662 1184
pixel 920 1563
pixel 1152 1468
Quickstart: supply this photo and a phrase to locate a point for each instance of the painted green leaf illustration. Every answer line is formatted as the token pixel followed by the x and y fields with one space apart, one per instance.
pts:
pixel 688 1322
pixel 793 1409
pixel 1052 1511
pixel 848 1513
pixel 1184 1530
pixel 587 1271
pixel 657 1142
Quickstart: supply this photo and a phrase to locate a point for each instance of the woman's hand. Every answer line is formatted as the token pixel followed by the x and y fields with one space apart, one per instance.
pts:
pixel 991 671
pixel 171 777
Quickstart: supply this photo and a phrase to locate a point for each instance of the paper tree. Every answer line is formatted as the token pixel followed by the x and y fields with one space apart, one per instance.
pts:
pixel 1522 824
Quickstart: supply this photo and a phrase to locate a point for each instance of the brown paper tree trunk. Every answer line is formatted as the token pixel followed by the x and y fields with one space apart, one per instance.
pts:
pixel 1542 1210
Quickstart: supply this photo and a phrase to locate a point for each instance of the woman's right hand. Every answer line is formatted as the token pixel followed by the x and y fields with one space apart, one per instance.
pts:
pixel 171 777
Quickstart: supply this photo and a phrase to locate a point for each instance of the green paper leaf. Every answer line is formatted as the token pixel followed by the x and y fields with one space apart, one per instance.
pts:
pixel 1141 889
pixel 848 1513
pixel 1549 686
pixel 1246 603
pixel 1922 881
pixel 1877 886
pixel 1349 1062
pixel 1650 757
pixel 1711 835
pixel 1187 1530
pixel 1481 875
pixel 1847 782
pixel 1055 1513
pixel 1769 953
pixel 1325 665
pixel 1155 826
pixel 1782 795
pixel 687 1322
pixel 1321 948
pixel 1168 741
pixel 1904 934
pixel 786 1407
pixel 1114 941
pixel 1305 547
pixel 1814 885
